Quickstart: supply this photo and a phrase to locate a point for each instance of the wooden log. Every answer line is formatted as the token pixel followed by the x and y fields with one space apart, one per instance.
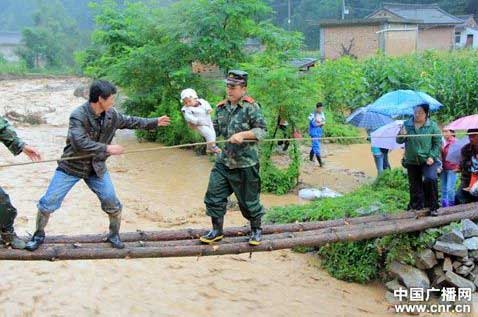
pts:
pixel 353 233
pixel 185 234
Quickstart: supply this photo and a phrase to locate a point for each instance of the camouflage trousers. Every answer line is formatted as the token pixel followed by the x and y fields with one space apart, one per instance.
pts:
pixel 245 183
pixel 7 212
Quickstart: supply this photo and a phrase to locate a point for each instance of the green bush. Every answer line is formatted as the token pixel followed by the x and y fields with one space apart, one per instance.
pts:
pixel 279 180
pixel 353 262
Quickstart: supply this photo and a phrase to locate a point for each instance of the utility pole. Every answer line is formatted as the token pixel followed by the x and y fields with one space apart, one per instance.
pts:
pixel 343 9
pixel 289 12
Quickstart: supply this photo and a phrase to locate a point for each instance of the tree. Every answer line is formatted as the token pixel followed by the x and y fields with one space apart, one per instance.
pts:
pixel 52 39
pixel 148 51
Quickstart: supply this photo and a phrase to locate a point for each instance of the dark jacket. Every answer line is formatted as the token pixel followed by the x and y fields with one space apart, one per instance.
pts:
pixel 85 136
pixel 467 152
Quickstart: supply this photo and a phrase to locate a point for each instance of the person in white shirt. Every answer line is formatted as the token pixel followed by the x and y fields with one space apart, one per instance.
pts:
pixel 197 112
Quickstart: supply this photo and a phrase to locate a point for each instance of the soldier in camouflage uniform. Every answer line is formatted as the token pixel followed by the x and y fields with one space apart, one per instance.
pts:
pixel 7 211
pixel 236 170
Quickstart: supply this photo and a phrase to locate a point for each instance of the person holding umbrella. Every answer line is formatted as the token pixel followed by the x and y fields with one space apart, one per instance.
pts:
pixel 421 158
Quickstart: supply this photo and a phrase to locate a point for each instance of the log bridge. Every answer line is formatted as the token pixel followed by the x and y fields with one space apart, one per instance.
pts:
pixel 182 243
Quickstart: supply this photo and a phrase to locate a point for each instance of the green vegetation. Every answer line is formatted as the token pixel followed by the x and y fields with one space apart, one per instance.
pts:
pixel 362 261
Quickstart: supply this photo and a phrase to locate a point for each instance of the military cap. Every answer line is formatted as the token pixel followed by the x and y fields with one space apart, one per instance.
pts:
pixel 236 77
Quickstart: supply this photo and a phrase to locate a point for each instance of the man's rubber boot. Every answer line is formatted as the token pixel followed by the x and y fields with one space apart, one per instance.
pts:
pixel 216 233
pixel 445 203
pixel 113 236
pixel 10 238
pixel 311 156
pixel 256 232
pixel 39 235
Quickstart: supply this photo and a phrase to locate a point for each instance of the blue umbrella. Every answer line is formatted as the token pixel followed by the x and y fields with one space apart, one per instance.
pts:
pixel 370 120
pixel 402 102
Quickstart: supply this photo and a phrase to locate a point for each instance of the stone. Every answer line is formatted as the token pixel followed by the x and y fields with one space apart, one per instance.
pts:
pixel 475 270
pixel 82 91
pixel 454 236
pixel 410 276
pixel 447 266
pixel 473 254
pixel 451 248
pixel 438 282
pixel 393 285
pixel 476 281
pixel 439 255
pixel 425 259
pixel 464 270
pixel 456 264
pixel 393 300
pixel 436 272
pixel 471 243
pixel 458 281
pixel 469 228
pixel 469 263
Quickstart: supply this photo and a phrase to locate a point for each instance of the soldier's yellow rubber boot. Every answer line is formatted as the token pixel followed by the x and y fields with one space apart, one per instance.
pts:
pixel 216 233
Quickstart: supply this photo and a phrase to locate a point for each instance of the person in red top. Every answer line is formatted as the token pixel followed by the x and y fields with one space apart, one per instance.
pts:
pixel 448 174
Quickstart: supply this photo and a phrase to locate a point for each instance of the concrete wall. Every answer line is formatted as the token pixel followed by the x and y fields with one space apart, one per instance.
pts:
pixel 464 35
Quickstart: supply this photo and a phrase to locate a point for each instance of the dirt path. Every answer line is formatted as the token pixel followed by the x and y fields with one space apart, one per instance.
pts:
pixel 162 190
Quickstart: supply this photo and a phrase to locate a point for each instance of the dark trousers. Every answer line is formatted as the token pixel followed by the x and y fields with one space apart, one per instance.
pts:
pixel 423 185
pixel 245 183
pixel 7 212
pixel 386 163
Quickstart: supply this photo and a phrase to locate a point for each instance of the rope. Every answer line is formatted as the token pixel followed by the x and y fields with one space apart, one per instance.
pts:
pixel 188 145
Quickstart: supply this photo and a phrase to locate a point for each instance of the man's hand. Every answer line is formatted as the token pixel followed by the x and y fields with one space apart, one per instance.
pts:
pixel 114 149
pixel 430 161
pixel 163 121
pixel 237 138
pixel 32 153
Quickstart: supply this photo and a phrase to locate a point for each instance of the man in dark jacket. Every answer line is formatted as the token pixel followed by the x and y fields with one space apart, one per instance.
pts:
pixel 91 130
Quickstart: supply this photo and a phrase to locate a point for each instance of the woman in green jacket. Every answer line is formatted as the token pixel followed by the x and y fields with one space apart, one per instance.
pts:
pixel 421 158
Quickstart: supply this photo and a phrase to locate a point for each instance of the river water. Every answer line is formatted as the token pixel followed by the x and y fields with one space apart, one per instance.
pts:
pixel 163 190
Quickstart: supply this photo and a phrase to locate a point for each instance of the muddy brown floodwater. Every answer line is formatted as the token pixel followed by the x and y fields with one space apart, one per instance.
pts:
pixel 163 190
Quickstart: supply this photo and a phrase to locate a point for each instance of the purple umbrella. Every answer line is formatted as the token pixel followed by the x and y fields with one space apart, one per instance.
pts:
pixel 454 151
pixel 384 137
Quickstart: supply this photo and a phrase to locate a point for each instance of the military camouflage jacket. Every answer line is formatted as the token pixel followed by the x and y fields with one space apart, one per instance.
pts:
pixel 9 137
pixel 231 119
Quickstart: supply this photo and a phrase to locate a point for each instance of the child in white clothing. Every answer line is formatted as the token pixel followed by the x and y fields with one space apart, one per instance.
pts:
pixel 197 112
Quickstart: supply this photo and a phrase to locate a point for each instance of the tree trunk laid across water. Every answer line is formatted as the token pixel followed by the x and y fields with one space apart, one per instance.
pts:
pixel 236 245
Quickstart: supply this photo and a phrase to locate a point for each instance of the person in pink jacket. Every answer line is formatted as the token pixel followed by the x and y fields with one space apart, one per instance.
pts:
pixel 448 174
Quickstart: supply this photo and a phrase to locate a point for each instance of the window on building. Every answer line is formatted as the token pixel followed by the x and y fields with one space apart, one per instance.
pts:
pixel 457 37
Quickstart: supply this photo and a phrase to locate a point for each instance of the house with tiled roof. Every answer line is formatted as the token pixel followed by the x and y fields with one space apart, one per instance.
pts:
pixel 394 29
